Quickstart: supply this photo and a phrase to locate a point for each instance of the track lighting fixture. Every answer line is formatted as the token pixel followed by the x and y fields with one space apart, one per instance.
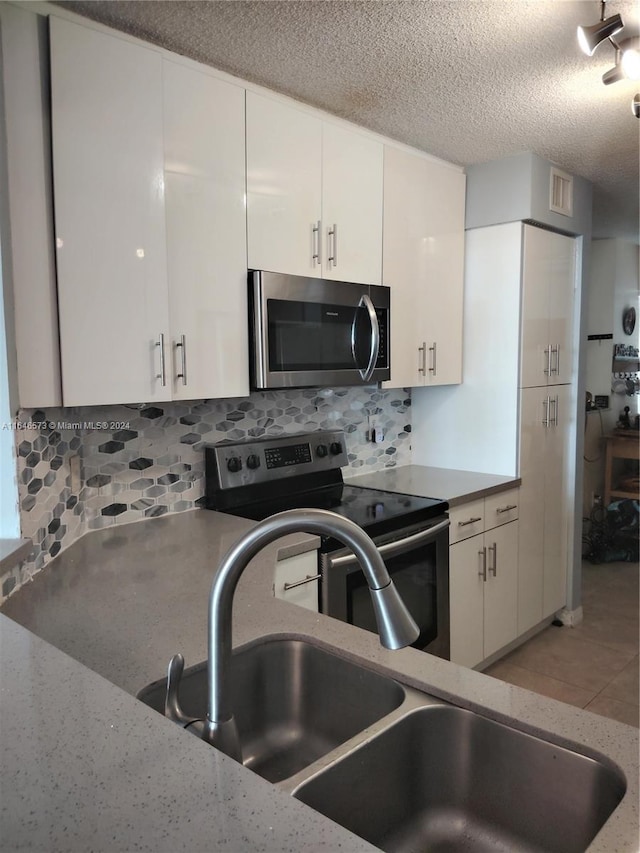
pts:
pixel 590 37
pixel 627 51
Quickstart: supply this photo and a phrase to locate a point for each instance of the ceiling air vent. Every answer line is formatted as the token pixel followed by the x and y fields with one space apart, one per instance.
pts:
pixel 561 192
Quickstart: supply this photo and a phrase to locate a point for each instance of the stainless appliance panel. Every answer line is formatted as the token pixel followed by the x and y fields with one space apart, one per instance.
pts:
pixel 417 560
pixel 308 332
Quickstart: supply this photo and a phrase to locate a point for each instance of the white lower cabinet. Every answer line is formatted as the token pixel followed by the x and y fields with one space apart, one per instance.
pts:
pixel 547 422
pixel 296 580
pixel 483 577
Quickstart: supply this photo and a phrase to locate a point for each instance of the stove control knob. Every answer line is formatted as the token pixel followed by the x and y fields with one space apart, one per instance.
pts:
pixel 336 448
pixel 234 464
pixel 253 461
pixel 321 450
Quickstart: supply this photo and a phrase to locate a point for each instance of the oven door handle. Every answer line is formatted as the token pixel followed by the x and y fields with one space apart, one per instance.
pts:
pixel 392 549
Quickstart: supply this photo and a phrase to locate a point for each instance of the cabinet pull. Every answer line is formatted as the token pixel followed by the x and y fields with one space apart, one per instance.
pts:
pixel 315 232
pixel 469 521
pixel 554 402
pixel 162 376
pixel 556 351
pixel 432 369
pixel 493 567
pixel 483 571
pixel 545 418
pixel 547 352
pixel 423 361
pixel 182 346
pixel 507 508
pixel 332 245
pixel 294 584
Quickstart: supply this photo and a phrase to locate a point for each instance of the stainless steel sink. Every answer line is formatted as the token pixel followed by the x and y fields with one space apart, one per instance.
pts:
pixel 446 779
pixel 294 702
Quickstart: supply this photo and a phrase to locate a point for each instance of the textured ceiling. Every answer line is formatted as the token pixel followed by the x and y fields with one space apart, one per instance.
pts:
pixel 466 80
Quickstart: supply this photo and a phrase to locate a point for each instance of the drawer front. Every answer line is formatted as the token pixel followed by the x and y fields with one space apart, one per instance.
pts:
pixel 466 520
pixel 501 508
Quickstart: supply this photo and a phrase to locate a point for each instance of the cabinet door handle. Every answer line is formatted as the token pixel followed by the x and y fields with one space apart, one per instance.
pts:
pixel 315 233
pixel 423 361
pixel 483 571
pixel 182 346
pixel 493 567
pixel 556 351
pixel 162 376
pixel 469 521
pixel 332 245
pixel 547 352
pixel 294 584
pixel 545 418
pixel 433 369
pixel 507 508
pixel 555 402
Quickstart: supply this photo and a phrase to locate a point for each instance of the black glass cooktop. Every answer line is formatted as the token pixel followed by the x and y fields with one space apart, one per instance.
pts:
pixel 373 510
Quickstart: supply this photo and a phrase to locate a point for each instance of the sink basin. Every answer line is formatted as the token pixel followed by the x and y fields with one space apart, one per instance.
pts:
pixel 446 779
pixel 293 703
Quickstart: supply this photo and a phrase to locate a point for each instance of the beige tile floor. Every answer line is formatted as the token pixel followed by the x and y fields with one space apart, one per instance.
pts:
pixel 594 665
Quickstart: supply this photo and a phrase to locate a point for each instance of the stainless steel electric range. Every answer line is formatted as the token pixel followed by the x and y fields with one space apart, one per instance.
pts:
pixel 257 478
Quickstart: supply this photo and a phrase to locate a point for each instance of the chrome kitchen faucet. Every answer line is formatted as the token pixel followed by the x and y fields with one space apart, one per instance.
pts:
pixel 395 625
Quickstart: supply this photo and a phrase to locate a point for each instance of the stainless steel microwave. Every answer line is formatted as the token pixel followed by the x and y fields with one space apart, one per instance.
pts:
pixel 311 332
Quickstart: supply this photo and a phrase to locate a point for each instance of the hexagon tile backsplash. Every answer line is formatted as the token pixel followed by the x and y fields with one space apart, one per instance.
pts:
pixel 83 469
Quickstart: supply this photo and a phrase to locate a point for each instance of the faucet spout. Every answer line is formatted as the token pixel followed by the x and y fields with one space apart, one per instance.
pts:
pixel 395 625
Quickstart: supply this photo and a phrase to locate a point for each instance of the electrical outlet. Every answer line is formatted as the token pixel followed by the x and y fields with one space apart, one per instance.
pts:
pixel 76 473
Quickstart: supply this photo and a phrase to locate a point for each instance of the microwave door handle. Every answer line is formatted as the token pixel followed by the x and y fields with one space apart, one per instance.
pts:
pixel 393 549
pixel 367 373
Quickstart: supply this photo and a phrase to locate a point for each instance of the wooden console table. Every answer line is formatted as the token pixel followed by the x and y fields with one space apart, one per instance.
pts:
pixel 621 444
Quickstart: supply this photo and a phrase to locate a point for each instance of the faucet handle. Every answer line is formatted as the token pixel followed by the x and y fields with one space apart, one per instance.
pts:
pixel 172 708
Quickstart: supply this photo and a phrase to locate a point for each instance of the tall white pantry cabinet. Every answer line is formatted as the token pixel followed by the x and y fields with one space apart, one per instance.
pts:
pixel 514 413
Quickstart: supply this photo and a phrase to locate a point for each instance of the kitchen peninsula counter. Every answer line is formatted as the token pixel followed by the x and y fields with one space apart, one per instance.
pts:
pixel 87 766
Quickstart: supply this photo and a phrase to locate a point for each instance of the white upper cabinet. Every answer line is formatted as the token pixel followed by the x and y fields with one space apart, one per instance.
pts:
pixel 109 216
pixel 548 287
pixel 351 206
pixel 206 234
pixel 314 195
pixel 284 187
pixel 423 264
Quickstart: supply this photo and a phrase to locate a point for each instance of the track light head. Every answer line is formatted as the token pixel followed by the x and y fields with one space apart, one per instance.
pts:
pixel 590 37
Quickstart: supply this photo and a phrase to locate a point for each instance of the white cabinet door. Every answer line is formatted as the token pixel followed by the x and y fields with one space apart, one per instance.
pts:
pixel 206 234
pixel 404 267
pixel 483 586
pixel 295 580
pixel 501 587
pixel 441 306
pixel 548 287
pixel 533 412
pixel 351 206
pixel 106 101
pixel 284 187
pixel 562 289
pixel 557 522
pixel 423 259
pixel 466 607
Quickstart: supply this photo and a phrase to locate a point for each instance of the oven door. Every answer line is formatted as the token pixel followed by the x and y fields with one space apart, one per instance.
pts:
pixel 312 332
pixel 417 560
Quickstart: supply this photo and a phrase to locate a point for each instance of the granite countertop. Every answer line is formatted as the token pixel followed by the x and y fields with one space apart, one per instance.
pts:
pixel 455 487
pixel 87 766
